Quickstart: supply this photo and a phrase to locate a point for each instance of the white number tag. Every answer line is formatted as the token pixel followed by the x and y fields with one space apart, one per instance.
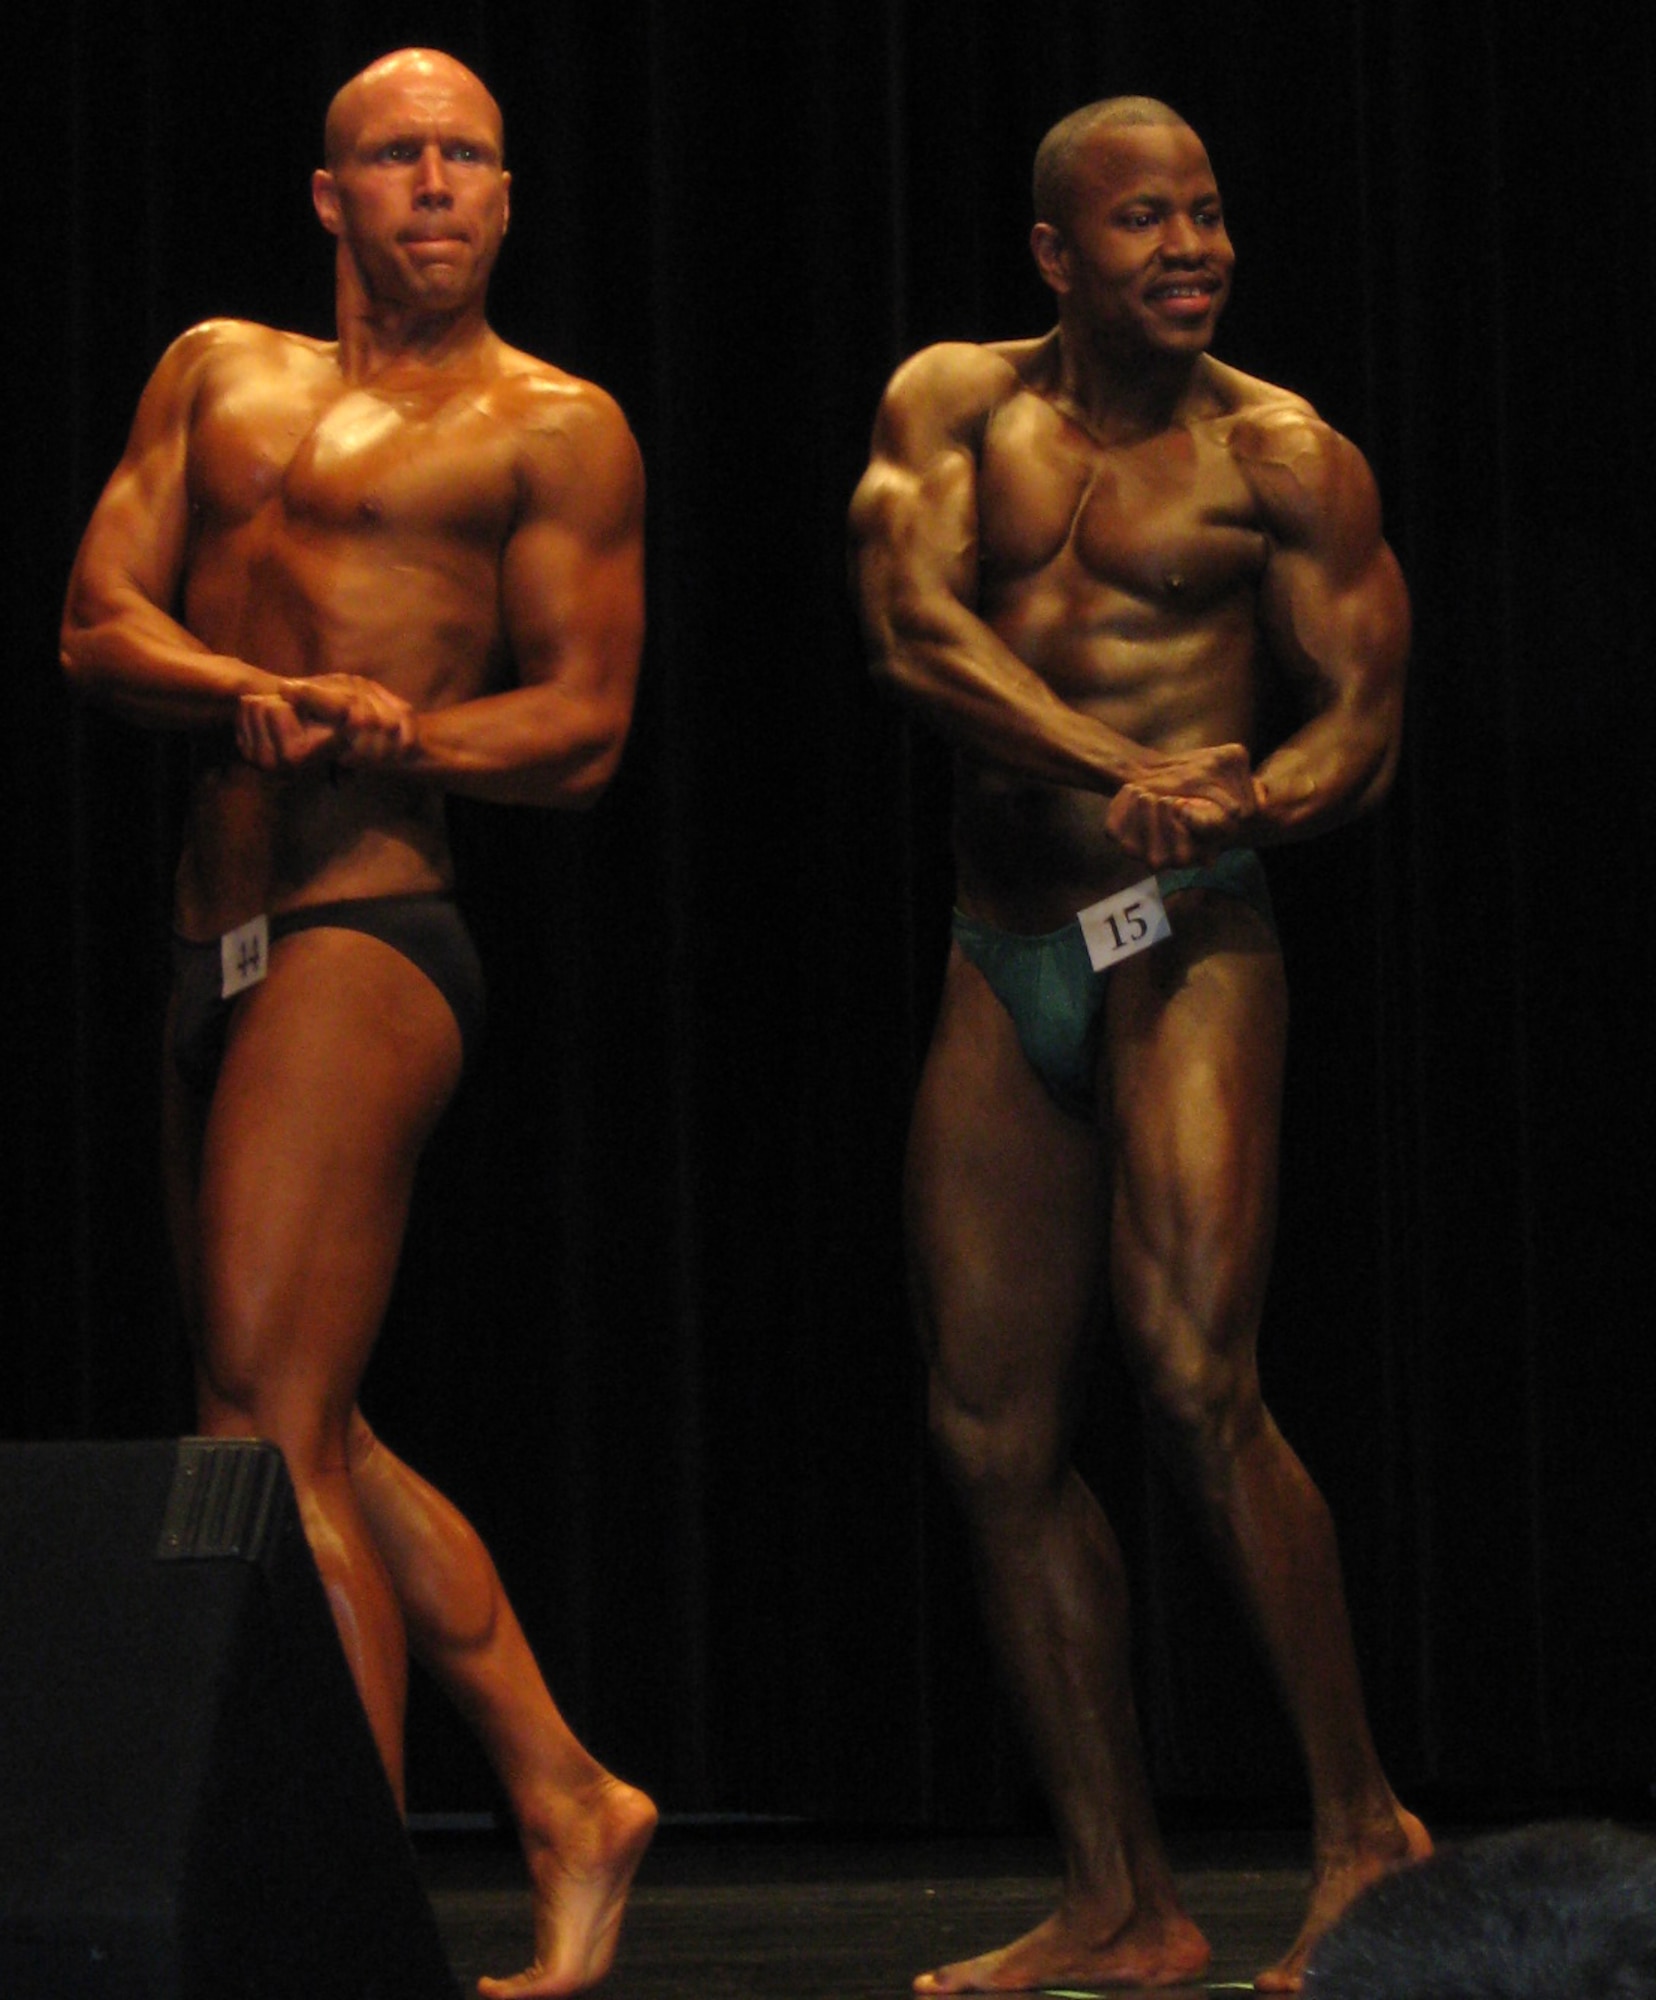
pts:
pixel 244 956
pixel 1128 922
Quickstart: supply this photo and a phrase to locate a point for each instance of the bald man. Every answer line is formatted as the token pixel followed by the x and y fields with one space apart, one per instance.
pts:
pixel 365 573
pixel 1084 558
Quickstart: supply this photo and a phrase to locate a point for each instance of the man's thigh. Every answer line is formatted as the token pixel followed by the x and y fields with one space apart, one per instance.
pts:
pixel 336 1069
pixel 1004 1209
pixel 1192 1059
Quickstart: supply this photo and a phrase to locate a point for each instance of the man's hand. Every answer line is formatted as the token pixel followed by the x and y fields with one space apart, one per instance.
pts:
pixel 339 718
pixel 1185 807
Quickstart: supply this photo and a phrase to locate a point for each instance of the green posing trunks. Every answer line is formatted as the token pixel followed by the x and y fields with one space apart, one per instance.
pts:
pixel 1048 985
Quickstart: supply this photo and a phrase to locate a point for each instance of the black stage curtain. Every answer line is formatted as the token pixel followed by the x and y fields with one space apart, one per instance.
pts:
pixel 651 1329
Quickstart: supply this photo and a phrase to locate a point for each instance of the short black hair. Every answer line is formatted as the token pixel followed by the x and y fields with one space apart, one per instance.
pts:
pixel 1056 154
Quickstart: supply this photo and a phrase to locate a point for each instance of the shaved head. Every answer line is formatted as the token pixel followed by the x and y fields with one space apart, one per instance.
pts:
pixel 1058 152
pixel 403 66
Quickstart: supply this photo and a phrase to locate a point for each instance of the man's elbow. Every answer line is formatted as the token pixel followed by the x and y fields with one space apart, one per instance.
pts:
pixel 1382 777
pixel 885 670
pixel 1376 770
pixel 584 787
pixel 894 613
pixel 585 777
pixel 78 656
pixel 898 642
pixel 914 672
pixel 92 633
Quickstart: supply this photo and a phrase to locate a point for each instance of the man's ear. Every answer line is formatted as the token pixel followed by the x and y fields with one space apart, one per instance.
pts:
pixel 1052 256
pixel 325 200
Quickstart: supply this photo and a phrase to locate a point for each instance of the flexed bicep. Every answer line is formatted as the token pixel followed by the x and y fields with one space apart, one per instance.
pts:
pixel 1334 612
pixel 572 611
pixel 915 555
pixel 121 641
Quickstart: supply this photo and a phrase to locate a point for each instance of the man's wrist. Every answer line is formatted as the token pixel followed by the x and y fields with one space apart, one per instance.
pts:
pixel 1126 763
pixel 247 679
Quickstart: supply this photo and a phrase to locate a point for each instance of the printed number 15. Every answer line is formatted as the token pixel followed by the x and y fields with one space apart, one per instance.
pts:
pixel 1136 925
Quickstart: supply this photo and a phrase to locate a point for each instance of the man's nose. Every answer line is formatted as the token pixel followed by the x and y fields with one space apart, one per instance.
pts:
pixel 1180 238
pixel 431 184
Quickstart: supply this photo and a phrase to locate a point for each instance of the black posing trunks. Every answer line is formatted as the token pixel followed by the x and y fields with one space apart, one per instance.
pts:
pixel 428 930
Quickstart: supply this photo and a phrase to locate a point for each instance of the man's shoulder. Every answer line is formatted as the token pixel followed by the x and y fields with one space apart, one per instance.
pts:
pixel 1265 421
pixel 213 361
pixel 946 393
pixel 212 341
pixel 571 439
pixel 542 400
pixel 1251 406
pixel 1299 466
pixel 220 355
pixel 960 373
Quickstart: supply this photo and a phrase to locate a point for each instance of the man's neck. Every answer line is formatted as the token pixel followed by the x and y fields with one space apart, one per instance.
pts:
pixel 1119 395
pixel 374 336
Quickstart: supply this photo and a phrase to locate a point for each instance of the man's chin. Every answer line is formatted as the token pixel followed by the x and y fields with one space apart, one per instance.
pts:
pixel 441 288
pixel 1191 337
pixel 442 274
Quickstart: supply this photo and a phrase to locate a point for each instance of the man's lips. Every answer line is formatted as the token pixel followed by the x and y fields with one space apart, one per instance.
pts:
pixel 1184 297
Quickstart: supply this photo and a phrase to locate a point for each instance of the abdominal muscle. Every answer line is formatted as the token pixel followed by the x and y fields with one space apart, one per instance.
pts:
pixel 255 842
pixel 1029 854
pixel 260 841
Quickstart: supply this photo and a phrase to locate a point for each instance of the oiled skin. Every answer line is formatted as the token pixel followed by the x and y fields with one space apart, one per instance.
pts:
pixel 1085 559
pixel 365 573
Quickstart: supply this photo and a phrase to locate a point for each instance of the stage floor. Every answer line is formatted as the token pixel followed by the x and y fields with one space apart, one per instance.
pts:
pixel 722 1915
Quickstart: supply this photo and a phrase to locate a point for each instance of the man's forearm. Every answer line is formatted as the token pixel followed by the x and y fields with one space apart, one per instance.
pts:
pixel 533 746
pixel 974 690
pixel 1165 808
pixel 1331 771
pixel 150 670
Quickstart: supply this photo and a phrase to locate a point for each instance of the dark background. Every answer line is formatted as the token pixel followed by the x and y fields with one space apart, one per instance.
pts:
pixel 650 1331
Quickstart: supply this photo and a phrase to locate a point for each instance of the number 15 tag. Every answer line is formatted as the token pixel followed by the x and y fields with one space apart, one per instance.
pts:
pixel 1128 922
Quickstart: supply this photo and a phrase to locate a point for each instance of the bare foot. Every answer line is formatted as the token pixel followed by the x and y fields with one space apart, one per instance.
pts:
pixel 1339 1880
pixel 583 1851
pixel 1064 1951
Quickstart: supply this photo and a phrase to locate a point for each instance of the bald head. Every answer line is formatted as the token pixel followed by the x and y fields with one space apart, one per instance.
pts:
pixel 1058 153
pixel 403 70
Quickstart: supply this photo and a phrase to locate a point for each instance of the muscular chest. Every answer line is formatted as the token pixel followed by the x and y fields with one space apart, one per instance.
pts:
pixel 311 454
pixel 1169 522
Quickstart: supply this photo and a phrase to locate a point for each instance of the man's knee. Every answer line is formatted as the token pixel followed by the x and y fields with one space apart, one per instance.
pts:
pixel 236 1399
pixel 997 1455
pixel 362 1448
pixel 1202 1401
